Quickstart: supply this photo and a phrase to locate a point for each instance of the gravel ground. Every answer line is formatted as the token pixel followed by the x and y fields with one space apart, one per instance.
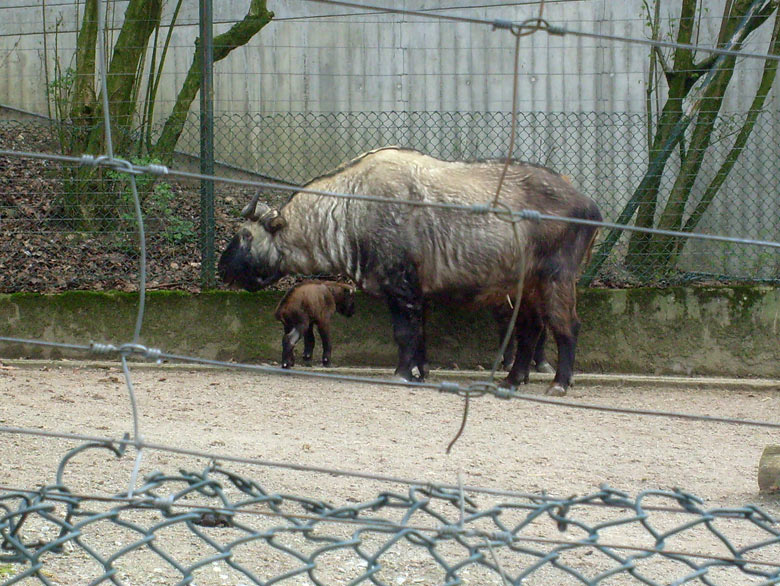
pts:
pixel 378 430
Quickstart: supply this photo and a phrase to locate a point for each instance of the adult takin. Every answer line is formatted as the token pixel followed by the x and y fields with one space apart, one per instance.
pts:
pixel 413 240
pixel 309 304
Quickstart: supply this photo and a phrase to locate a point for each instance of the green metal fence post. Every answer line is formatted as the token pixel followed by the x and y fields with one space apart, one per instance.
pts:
pixel 207 224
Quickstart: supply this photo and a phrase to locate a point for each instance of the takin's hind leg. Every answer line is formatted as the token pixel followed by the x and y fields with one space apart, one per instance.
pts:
pixel 527 331
pixel 539 359
pixel 565 326
pixel 327 347
pixel 308 345
pixel 566 339
pixel 503 318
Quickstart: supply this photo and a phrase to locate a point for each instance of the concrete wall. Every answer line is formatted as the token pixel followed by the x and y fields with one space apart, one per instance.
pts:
pixel 317 58
pixel 705 331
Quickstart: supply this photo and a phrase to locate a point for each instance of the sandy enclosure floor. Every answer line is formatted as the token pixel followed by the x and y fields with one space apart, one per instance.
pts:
pixel 381 430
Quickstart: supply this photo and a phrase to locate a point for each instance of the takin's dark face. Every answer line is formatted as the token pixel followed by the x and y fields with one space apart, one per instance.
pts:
pixel 251 260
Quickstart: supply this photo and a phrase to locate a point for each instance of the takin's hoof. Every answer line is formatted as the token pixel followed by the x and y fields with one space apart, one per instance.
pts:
pixel 423 371
pixel 556 390
pixel 508 384
pixel 326 363
pixel 410 378
pixel 286 365
pixel 544 367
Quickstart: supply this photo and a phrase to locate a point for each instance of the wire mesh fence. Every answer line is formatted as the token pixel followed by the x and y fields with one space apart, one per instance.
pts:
pixel 603 154
pixel 430 534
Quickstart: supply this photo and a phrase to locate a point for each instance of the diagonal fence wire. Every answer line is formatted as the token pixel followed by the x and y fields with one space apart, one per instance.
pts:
pixel 512 215
pixel 539 24
pixel 475 389
pixel 458 535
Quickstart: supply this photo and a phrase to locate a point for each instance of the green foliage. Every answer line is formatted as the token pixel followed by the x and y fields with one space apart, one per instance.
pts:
pixel 156 198
pixel 60 93
pixel 60 88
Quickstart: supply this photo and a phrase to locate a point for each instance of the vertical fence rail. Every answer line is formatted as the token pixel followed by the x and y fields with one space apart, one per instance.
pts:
pixel 207 226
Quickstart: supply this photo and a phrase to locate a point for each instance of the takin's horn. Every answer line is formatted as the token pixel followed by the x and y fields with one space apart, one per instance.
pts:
pixel 272 220
pixel 250 211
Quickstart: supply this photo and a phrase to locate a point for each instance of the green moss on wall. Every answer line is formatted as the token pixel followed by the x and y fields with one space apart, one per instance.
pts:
pixel 744 302
pixel 715 330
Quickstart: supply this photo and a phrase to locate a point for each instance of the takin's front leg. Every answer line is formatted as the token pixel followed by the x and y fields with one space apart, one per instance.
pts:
pixel 292 333
pixel 420 358
pixel 405 301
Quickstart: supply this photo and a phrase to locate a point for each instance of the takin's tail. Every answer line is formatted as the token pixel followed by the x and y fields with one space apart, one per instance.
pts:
pixel 586 235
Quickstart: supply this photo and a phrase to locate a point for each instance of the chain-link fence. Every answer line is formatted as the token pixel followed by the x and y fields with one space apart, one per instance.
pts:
pixel 247 534
pixel 43 207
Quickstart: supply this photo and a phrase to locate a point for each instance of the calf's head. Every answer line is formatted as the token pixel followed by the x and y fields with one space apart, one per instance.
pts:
pixel 345 301
pixel 252 260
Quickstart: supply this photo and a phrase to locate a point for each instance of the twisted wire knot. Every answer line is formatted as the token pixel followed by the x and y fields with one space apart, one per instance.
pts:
pixel 126 350
pixel 533 215
pixel 97 348
pixel 156 169
pixel 92 160
pixel 480 388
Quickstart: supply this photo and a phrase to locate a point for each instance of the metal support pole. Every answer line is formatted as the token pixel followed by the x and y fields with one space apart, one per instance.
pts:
pixel 207 223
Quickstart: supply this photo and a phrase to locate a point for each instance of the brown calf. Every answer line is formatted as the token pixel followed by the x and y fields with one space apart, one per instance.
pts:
pixel 308 304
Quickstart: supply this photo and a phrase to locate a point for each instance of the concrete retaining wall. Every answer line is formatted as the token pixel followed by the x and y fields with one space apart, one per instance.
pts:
pixel 729 331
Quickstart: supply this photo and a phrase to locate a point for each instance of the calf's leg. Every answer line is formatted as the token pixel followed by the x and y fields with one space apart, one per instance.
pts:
pixel 324 329
pixel 308 345
pixel 292 333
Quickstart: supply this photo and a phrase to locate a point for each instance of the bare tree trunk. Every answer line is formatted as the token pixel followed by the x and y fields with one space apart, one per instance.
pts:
pixel 767 80
pixel 711 78
pixel 680 81
pixel 239 34
pixel 142 17
pixel 82 106
pixel 89 201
